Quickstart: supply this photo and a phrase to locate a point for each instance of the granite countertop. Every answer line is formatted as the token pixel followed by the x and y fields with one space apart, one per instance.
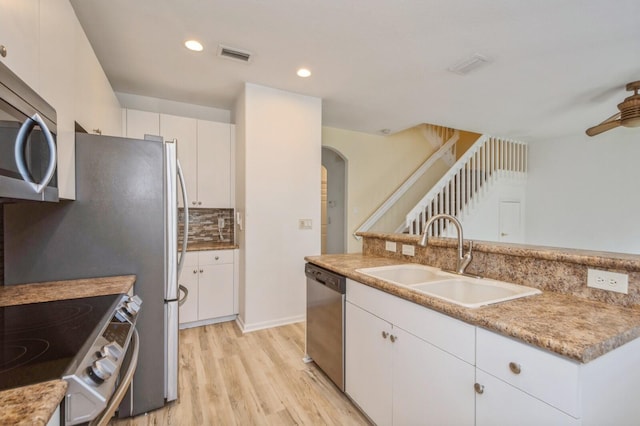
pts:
pixel 577 328
pixel 34 404
pixel 211 245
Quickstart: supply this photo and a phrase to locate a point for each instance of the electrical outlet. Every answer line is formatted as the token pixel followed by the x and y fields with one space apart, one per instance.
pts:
pixel 221 222
pixel 408 250
pixel 390 246
pixel 305 224
pixel 606 280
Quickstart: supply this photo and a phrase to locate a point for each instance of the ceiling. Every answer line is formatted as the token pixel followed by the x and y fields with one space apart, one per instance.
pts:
pixel 556 67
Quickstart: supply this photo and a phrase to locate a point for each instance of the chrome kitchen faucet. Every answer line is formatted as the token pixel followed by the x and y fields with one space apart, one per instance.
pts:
pixel 463 259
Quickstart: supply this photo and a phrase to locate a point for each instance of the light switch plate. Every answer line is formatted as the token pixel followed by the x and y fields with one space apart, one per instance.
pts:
pixel 408 250
pixel 305 223
pixel 390 246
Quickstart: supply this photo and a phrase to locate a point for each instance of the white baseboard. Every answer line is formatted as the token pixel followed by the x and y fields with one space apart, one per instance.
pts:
pixel 247 328
pixel 207 321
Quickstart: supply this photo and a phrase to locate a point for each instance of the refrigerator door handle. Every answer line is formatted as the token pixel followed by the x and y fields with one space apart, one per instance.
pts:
pixel 183 299
pixel 185 234
pixel 171 351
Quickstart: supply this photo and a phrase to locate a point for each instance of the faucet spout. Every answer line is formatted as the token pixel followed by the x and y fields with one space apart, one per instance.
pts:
pixel 463 258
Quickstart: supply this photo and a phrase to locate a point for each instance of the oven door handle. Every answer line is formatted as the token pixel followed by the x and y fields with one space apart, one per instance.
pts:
pixel 119 393
pixel 21 140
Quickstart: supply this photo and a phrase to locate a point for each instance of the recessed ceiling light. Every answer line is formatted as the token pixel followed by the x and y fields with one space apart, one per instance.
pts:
pixel 194 45
pixel 303 72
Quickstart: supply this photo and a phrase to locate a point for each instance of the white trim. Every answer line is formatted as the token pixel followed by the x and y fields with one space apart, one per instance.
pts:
pixel 207 322
pixel 247 328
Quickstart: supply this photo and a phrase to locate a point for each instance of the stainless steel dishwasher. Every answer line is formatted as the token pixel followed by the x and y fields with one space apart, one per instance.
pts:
pixel 325 321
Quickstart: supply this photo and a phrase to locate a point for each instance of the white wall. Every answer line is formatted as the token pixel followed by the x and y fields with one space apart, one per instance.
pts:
pixel 377 165
pixel 583 192
pixel 279 146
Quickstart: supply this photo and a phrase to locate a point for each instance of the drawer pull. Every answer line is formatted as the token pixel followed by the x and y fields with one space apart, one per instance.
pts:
pixel 393 338
pixel 201 270
pixel 479 388
pixel 515 368
pixel 217 257
pixel 385 334
pixel 195 271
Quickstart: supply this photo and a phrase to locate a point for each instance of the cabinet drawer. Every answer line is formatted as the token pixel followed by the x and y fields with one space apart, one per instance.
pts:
pixel 544 375
pixel 442 331
pixel 191 258
pixel 216 257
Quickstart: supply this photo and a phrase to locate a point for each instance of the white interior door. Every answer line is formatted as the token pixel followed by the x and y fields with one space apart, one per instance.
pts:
pixel 510 217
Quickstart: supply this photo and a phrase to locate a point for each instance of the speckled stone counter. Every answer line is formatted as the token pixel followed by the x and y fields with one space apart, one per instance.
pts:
pixel 572 326
pixel 34 404
pixel 211 245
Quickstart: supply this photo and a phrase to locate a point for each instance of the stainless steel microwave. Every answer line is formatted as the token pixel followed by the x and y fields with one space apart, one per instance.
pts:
pixel 27 142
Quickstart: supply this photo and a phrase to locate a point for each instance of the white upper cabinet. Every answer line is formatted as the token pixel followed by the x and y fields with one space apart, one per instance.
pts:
pixel 19 36
pixel 97 109
pixel 184 131
pixel 57 80
pixel 214 164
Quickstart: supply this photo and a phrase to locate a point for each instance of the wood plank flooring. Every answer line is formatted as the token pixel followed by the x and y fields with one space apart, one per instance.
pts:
pixel 227 378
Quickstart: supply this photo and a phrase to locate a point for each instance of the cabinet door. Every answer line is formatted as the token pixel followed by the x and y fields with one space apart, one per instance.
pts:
pixel 215 291
pixel 97 109
pixel 57 83
pixel 368 363
pixel 214 164
pixel 184 131
pixel 189 279
pixel 502 404
pixel 140 123
pixel 430 386
pixel 19 34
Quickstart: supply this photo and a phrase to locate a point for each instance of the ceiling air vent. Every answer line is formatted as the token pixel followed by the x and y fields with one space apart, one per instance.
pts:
pixel 467 65
pixel 234 54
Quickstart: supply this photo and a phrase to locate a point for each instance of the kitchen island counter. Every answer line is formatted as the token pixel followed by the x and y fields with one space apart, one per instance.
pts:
pixel 571 326
pixel 34 404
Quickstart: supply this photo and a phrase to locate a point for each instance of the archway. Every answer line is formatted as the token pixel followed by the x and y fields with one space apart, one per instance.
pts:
pixel 334 202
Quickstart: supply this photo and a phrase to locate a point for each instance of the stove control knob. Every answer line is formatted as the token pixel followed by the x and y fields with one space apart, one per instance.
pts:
pixel 132 306
pixel 112 350
pixel 101 370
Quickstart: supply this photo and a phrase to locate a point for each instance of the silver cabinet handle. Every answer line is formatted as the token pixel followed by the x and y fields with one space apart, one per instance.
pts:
pixel 201 270
pixel 515 368
pixel 217 258
pixel 21 139
pixel 393 338
pixel 199 203
pixel 193 203
pixel 385 334
pixel 479 388
pixel 195 271
pixel 3 51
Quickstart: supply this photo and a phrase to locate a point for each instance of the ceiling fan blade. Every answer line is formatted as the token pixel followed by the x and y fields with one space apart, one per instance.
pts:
pixel 610 123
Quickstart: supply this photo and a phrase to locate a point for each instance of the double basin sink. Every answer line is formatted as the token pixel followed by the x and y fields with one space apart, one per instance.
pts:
pixel 461 290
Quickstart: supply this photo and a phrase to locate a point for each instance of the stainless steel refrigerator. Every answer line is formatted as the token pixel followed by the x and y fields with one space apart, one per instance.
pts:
pixel 123 221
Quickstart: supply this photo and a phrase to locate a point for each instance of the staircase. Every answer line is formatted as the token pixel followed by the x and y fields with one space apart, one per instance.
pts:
pixel 390 215
pixel 468 181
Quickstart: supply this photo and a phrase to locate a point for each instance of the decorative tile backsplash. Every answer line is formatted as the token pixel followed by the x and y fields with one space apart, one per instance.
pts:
pixel 204 225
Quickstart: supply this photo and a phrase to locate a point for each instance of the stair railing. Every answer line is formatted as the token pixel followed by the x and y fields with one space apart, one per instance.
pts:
pixel 468 180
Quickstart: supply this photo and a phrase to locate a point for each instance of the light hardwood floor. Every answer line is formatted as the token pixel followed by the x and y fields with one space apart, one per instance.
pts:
pixel 227 378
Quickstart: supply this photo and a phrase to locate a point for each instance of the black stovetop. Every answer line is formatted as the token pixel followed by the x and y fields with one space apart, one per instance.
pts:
pixel 40 341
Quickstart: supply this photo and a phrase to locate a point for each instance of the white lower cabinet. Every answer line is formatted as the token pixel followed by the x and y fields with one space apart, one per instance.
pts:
pixel 408 365
pixel 209 279
pixel 502 404
pixel 394 373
